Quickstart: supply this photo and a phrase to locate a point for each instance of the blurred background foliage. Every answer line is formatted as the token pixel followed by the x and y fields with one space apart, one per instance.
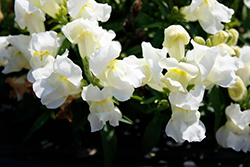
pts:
pixel 27 122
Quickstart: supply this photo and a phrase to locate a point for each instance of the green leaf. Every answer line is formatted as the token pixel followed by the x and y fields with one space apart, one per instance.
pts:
pixel 246 18
pixel 149 100
pixel 144 19
pixel 38 124
pixel 65 45
pixel 134 50
pixel 126 120
pixel 214 98
pixel 164 8
pixel 109 144
pixel 152 133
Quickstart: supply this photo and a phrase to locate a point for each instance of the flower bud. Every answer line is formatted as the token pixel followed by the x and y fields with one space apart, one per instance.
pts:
pixel 220 37
pixel 233 37
pixel 176 37
pixel 199 40
pixel 238 91
pixel 236 50
pixel 175 9
pixel 208 42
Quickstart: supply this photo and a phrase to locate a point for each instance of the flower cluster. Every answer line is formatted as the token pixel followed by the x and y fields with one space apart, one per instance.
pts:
pixel 103 77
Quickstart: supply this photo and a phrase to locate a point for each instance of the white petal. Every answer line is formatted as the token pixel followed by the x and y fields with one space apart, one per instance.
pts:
pixel 247 3
pixel 241 119
pixel 95 124
pixel 67 68
pixel 188 101
pixel 93 93
pixel 101 57
pixel 152 57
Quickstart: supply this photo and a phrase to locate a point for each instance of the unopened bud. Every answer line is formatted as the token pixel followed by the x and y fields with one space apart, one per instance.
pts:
pixel 163 104
pixel 236 50
pixel 233 37
pixel 238 91
pixel 199 40
pixel 220 37
pixel 175 9
pixel 208 42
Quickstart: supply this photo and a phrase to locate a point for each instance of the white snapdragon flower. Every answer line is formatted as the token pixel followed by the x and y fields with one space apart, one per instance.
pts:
pixel 178 75
pixel 30 16
pixel 88 35
pixel 175 39
pixel 101 106
pixel 209 13
pixel 215 64
pixel 149 64
pixel 88 9
pixel 235 133
pixel 50 7
pixel 121 77
pixel 17 54
pixel 185 125
pixel 65 80
pixel 43 48
pixel 244 71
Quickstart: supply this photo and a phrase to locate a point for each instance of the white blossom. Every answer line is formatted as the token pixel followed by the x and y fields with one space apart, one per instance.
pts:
pixel 175 39
pixel 65 80
pixel 235 133
pixel 121 77
pixel 88 9
pixel 101 106
pixel 43 48
pixel 185 125
pixel 88 35
pixel 30 16
pixel 16 55
pixel 209 13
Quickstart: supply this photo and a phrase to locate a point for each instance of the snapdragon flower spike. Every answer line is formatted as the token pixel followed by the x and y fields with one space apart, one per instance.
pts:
pixel 50 7
pixel 65 80
pixel 178 75
pixel 88 9
pixel 175 39
pixel 121 77
pixel 235 133
pixel 101 106
pixel 43 48
pixel 17 54
pixel 209 13
pixel 215 64
pixel 30 16
pixel 88 35
pixel 185 125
